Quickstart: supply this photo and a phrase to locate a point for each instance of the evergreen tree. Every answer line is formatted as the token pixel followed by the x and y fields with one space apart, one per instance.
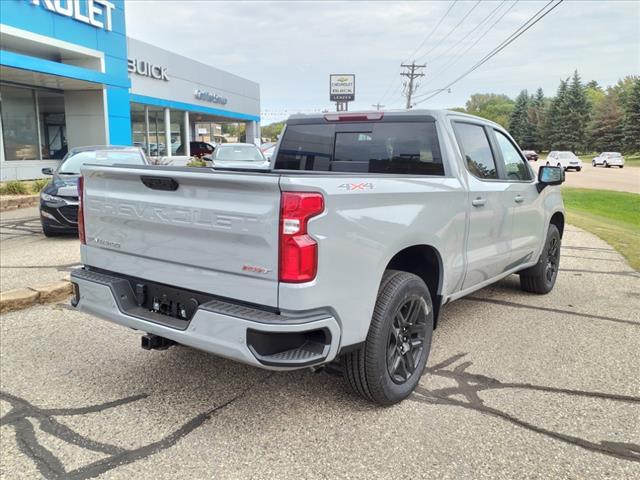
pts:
pixel 556 129
pixel 632 119
pixel 519 125
pixel 537 119
pixel 575 111
pixel 605 128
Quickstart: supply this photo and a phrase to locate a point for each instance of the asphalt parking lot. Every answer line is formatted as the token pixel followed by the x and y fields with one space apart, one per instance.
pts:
pixel 625 179
pixel 518 386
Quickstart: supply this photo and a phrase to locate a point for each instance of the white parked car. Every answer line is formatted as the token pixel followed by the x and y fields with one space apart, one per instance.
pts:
pixel 566 160
pixel 239 155
pixel 609 159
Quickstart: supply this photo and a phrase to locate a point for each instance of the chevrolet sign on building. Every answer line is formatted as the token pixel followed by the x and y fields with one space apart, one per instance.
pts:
pixel 70 77
pixel 94 12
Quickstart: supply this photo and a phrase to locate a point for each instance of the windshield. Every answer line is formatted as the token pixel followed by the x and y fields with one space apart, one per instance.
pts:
pixel 238 153
pixel 566 155
pixel 74 162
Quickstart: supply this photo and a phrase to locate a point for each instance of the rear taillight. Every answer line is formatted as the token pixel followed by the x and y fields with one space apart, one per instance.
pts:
pixel 298 250
pixel 81 234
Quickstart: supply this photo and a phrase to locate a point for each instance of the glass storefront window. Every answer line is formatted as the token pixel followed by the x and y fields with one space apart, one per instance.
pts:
pixel 19 123
pixel 53 132
pixel 177 131
pixel 138 127
pixel 157 145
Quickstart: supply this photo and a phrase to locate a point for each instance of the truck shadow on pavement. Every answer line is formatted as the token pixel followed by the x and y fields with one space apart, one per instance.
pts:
pixel 469 385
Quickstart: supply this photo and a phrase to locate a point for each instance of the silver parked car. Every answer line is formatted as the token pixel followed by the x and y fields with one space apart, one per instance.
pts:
pixel 609 159
pixel 347 250
pixel 239 155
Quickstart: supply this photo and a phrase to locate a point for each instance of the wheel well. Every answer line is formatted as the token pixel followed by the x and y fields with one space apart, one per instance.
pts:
pixel 557 219
pixel 423 261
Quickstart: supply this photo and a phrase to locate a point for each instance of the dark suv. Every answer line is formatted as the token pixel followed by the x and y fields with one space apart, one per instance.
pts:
pixel 197 149
pixel 59 198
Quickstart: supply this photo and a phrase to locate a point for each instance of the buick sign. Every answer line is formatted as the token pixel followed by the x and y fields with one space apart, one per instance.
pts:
pixel 146 69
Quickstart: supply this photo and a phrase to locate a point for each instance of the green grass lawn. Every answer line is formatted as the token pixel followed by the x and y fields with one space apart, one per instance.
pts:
pixel 612 216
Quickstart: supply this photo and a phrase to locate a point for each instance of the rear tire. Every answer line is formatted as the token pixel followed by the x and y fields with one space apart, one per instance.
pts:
pixel 606 165
pixel 388 366
pixel 542 277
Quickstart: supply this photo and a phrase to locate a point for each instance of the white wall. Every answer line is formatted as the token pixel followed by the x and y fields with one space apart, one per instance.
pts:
pixel 85 117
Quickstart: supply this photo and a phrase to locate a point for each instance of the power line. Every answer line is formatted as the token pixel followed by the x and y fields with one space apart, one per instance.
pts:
pixel 449 32
pixel 446 66
pixel 412 73
pixel 393 79
pixel 485 19
pixel 520 31
pixel 428 37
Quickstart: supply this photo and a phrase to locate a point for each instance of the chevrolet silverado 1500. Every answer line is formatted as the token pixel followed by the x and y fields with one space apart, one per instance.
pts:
pixel 344 251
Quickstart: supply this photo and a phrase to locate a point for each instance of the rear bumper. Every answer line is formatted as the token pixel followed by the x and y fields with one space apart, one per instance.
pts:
pixel 218 327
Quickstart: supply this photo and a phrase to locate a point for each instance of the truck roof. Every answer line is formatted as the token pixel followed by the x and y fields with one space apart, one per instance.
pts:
pixel 433 113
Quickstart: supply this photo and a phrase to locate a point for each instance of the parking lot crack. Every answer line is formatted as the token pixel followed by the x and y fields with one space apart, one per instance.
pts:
pixel 469 386
pixel 52 468
pixel 553 310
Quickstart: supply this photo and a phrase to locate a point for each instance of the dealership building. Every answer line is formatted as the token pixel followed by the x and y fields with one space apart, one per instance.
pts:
pixel 70 77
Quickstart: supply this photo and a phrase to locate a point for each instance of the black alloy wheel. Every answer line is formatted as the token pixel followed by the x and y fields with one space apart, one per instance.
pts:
pixel 553 258
pixel 407 335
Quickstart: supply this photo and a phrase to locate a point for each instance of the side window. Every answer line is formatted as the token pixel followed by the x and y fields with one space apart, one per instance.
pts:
pixel 515 166
pixel 476 150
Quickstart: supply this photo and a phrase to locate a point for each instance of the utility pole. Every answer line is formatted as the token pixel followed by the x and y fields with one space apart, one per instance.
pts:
pixel 412 72
pixel 377 106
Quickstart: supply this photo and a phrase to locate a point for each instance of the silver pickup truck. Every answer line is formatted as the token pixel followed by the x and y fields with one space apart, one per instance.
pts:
pixel 346 250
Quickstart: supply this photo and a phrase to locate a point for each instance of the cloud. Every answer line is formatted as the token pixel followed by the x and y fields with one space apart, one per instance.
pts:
pixel 290 48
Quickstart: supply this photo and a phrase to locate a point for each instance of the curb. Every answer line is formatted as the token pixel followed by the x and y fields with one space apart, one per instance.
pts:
pixel 18 201
pixel 21 298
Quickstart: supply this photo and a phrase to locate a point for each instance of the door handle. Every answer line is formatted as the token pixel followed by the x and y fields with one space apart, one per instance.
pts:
pixel 479 202
pixel 519 199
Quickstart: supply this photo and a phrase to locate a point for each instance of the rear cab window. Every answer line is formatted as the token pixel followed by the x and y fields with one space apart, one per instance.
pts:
pixel 392 147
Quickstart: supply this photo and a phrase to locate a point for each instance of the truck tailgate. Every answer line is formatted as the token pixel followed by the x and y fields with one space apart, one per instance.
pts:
pixel 212 232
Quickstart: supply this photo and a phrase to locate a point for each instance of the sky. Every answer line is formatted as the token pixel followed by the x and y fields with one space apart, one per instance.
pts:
pixel 290 48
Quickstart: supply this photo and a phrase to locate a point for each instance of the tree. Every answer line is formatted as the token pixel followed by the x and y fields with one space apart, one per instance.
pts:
pixel 555 128
pixel 605 128
pixel 491 106
pixel 272 130
pixel 631 120
pixel 520 125
pixel 575 110
pixel 537 117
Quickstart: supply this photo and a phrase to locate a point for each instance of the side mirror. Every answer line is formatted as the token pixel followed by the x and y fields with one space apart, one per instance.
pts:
pixel 47 171
pixel 548 175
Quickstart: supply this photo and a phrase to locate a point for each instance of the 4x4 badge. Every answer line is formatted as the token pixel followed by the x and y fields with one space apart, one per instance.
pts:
pixel 356 186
